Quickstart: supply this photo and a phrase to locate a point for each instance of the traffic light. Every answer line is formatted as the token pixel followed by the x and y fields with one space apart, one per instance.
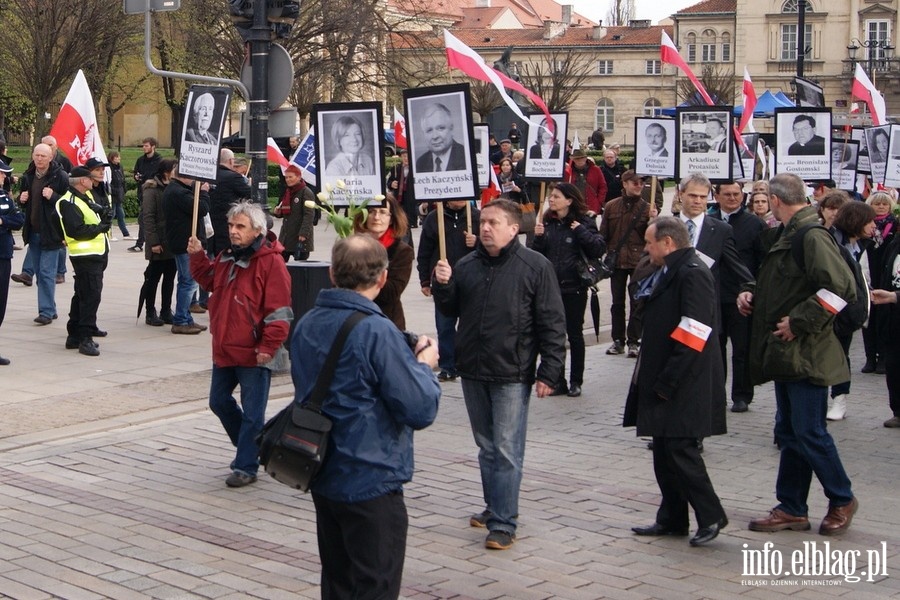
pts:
pixel 280 14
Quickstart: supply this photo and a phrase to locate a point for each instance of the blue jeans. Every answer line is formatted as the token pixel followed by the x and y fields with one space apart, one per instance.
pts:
pixel 120 218
pixel 806 448
pixel 446 334
pixel 28 262
pixel 498 414
pixel 47 262
pixel 184 290
pixel 242 426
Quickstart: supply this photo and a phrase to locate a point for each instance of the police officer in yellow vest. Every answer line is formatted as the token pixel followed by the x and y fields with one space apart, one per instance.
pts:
pixel 85 227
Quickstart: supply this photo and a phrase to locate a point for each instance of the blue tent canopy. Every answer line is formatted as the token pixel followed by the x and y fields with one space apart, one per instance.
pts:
pixel 765 105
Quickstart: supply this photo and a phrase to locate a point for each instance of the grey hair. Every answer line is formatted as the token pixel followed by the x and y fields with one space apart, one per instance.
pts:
pixel 252 210
pixel 672 227
pixel 694 178
pixel 789 188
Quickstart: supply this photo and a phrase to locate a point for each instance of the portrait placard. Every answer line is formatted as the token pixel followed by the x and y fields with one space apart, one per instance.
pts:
pixel 892 169
pixel 803 142
pixel 201 133
pixel 441 142
pixel 349 147
pixel 654 147
pixel 878 142
pixel 481 136
pixel 748 154
pixel 809 93
pixel 862 163
pixel 844 161
pixel 545 159
pixel 705 142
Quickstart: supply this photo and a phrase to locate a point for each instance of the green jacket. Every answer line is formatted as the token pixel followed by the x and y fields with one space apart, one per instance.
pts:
pixel 782 289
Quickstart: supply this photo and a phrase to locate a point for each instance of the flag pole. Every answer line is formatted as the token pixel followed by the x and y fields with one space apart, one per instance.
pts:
pixel 196 208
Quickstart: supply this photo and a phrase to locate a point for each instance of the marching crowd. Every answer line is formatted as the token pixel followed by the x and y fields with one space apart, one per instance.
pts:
pixel 783 278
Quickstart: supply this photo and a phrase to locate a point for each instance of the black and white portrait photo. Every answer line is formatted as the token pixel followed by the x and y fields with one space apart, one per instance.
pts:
pixel 202 130
pixel 546 141
pixel 862 158
pixel 892 168
pixel 706 141
pixel 441 142
pixel 748 152
pixel 482 133
pixel 878 142
pixel 349 147
pixel 654 148
pixel 803 142
pixel 844 159
pixel 809 94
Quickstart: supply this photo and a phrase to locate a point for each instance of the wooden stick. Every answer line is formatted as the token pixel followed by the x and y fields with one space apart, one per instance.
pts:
pixel 442 242
pixel 196 208
pixel 653 184
pixel 540 204
pixel 469 217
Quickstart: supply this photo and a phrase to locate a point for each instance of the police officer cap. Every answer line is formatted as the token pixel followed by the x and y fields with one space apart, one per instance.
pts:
pixel 93 163
pixel 80 172
pixel 5 168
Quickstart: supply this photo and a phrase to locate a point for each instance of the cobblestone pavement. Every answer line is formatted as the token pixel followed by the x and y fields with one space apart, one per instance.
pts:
pixel 112 484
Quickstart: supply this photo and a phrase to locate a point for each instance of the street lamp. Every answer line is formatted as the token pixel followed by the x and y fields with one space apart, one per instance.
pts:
pixel 873 47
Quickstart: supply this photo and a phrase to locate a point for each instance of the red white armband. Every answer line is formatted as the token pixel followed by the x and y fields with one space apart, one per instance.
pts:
pixel 830 301
pixel 692 333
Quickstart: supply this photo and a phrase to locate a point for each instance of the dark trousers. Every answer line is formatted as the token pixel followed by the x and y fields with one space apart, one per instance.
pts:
pixel 140 222
pixel 156 270
pixel 682 478
pixel 892 375
pixel 362 546
pixel 736 327
pixel 5 272
pixel 86 299
pixel 875 334
pixel 842 388
pixel 619 288
pixel 574 304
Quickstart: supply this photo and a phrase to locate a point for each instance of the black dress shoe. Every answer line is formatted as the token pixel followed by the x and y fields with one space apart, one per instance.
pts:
pixel 700 445
pixel 657 530
pixel 100 333
pixel 708 533
pixel 739 406
pixel 560 390
pixel 4 361
pixel 574 390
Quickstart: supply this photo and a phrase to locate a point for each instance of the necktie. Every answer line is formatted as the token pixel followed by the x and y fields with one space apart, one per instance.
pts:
pixel 437 164
pixel 691 227
pixel 724 218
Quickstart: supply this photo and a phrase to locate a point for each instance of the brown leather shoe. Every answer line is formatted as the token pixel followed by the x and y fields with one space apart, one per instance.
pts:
pixel 838 519
pixel 778 520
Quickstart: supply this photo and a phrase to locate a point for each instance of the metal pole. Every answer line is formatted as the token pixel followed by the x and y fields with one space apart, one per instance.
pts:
pixel 259 101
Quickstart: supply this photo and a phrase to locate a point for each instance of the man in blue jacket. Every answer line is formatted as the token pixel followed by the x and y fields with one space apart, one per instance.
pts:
pixel 382 390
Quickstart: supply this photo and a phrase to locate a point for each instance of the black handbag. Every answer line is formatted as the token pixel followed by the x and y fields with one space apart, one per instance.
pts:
pixel 293 443
pixel 592 271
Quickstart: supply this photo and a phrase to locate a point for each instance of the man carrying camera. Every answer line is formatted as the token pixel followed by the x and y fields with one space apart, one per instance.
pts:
pixel 85 226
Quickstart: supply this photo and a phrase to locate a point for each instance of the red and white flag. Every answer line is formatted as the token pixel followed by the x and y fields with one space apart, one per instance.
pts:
pixel 865 90
pixel 75 128
pixel 668 53
pixel 399 129
pixel 274 154
pixel 749 103
pixel 691 333
pixel 460 56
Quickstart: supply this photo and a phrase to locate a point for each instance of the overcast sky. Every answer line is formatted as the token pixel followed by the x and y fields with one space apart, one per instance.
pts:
pixel 646 9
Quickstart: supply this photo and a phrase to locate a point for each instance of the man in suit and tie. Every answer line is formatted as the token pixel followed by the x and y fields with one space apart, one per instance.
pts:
pixel 444 152
pixel 656 139
pixel 746 229
pixel 715 133
pixel 807 142
pixel 202 112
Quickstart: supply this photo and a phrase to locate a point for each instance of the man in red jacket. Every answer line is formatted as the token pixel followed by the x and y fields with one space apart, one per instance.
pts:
pixel 250 314
pixel 588 178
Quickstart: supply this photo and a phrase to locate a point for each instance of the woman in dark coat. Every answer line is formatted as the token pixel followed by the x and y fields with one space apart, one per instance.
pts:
pixel 565 236
pixel 161 263
pixel 677 393
pixel 387 223
pixel 298 217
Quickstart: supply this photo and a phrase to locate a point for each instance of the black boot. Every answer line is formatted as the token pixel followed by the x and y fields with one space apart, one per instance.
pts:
pixel 879 366
pixel 166 316
pixel 153 318
pixel 869 367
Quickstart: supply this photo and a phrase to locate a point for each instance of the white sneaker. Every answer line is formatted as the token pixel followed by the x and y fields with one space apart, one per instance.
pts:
pixel 129 237
pixel 114 239
pixel 837 408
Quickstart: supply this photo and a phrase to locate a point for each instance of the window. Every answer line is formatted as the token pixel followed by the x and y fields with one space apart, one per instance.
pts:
pixel 726 47
pixel 789 40
pixel 654 67
pixel 708 52
pixel 793 6
pixel 879 31
pixel 650 106
pixel 606 115
pixel 604 67
pixel 691 42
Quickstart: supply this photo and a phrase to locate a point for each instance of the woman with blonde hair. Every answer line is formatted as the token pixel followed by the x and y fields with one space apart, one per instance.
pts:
pixel 876 330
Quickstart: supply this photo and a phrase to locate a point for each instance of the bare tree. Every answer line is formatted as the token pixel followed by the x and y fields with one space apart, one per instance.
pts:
pixel 621 12
pixel 718 81
pixel 558 77
pixel 44 44
pixel 485 98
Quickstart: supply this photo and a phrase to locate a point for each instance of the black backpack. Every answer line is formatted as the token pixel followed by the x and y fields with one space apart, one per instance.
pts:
pixel 854 315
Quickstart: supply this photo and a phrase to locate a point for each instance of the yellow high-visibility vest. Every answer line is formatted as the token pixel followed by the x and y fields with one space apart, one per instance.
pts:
pixel 96 246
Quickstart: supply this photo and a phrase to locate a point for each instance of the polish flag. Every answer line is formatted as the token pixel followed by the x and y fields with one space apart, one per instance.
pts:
pixel 399 129
pixel 865 90
pixel 668 53
pixel 691 333
pixel 274 154
pixel 576 141
pixel 460 56
pixel 749 103
pixel 75 128
pixel 830 301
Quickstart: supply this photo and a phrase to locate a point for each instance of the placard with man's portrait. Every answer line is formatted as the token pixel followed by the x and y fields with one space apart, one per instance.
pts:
pixel 892 168
pixel 441 142
pixel 654 147
pixel 201 133
pixel 803 142
pixel 481 134
pixel 858 134
pixel 705 142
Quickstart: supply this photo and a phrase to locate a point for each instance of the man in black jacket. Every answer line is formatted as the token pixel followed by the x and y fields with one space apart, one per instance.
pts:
pixel 459 241
pixel 230 188
pixel 144 170
pixel 496 292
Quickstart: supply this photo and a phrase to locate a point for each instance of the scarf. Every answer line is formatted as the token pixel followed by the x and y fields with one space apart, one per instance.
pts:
pixel 288 195
pixel 387 238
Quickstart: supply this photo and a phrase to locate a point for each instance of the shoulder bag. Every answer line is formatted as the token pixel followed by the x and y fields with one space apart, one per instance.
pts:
pixel 293 443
